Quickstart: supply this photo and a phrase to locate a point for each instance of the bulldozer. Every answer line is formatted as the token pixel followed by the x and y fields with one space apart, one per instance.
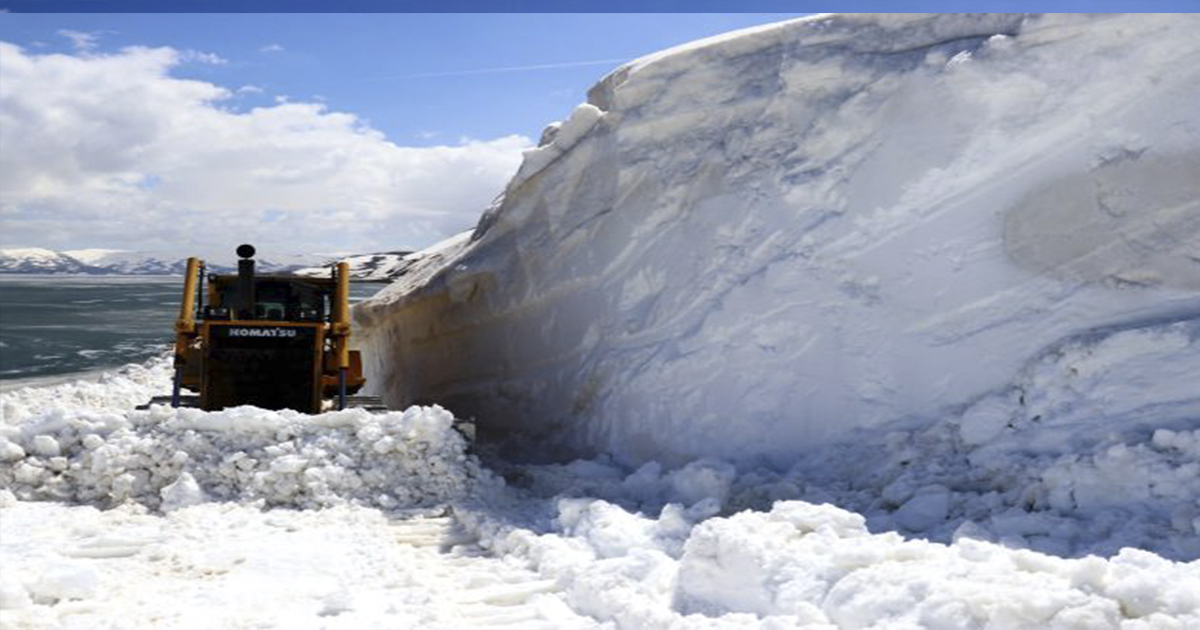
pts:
pixel 272 341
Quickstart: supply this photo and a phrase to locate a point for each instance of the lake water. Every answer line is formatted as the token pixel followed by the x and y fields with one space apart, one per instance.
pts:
pixel 56 325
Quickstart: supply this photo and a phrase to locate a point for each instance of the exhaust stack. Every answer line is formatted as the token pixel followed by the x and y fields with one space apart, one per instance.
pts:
pixel 245 283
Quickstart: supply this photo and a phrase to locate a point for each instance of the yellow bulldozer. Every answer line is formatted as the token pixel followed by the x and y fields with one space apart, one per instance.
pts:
pixel 272 341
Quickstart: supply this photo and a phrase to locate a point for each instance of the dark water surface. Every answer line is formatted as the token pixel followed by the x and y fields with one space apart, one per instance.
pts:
pixel 53 325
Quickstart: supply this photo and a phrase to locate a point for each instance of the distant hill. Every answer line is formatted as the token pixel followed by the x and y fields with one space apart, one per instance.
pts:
pixel 391 266
pixel 380 266
pixel 38 260
pixel 120 262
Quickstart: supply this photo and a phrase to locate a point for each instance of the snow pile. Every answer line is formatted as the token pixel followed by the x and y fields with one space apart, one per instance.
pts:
pixel 83 443
pixel 757 245
pixel 1137 491
pixel 1124 492
pixel 822 566
pixel 799 564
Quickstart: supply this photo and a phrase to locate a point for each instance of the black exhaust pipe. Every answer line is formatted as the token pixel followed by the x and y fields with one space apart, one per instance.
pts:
pixel 245 282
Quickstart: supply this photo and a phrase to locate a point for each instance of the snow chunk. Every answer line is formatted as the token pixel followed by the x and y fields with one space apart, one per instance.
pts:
pixel 702 479
pixel 559 141
pixel 927 508
pixel 183 492
pixel 46 446
pixel 10 452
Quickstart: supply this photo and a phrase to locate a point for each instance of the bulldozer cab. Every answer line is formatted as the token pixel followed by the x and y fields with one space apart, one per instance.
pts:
pixel 275 299
pixel 273 341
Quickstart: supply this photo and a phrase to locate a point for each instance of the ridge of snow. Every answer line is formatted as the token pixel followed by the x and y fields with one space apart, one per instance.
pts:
pixel 773 241
pixel 80 442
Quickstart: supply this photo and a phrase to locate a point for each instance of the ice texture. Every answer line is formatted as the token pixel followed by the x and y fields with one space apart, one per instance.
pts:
pixel 759 245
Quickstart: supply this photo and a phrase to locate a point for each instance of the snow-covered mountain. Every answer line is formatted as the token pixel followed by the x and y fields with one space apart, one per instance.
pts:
pixel 390 266
pixel 123 262
pixel 375 267
pixel 765 243
pixel 38 260
pixel 128 262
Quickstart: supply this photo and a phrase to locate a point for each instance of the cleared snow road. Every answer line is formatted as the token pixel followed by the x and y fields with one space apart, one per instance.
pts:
pixel 222 565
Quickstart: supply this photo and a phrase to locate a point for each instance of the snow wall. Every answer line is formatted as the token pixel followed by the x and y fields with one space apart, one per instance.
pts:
pixel 759 244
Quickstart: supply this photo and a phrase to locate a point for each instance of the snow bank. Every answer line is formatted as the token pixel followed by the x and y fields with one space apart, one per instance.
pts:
pixel 82 442
pixel 758 245
pixel 114 392
pixel 822 566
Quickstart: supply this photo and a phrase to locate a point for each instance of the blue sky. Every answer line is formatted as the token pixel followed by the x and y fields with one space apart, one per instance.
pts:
pixel 598 6
pixel 152 131
pixel 199 131
pixel 419 78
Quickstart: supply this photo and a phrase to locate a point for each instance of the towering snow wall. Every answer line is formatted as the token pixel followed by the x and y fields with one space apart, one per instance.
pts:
pixel 755 245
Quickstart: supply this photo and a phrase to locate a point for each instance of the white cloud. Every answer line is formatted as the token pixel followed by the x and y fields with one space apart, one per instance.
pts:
pixel 202 57
pixel 112 151
pixel 271 48
pixel 80 40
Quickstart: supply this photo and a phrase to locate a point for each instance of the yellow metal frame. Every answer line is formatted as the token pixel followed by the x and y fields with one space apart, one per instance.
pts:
pixel 185 326
pixel 340 331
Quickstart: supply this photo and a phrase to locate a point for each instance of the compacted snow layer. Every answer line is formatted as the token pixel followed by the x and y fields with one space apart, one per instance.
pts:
pixel 756 245
pixel 228 565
